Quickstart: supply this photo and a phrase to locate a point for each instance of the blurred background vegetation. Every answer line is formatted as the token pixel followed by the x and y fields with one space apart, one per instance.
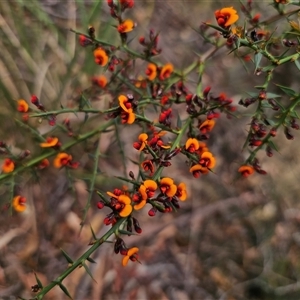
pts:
pixel 233 238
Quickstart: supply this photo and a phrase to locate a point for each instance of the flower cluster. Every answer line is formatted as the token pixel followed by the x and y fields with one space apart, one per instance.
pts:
pixel 162 195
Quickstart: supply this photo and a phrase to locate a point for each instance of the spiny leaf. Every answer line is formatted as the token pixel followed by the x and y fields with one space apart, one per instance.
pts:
pixel 93 233
pixel 91 260
pixel 38 281
pixel 179 122
pixel 272 95
pixel 273 146
pixel 68 258
pixel 64 289
pixel 88 271
pixel 297 63
pixel 257 60
pixel 288 91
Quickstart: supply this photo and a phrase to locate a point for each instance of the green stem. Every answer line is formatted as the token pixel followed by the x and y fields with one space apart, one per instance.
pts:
pixel 52 152
pixel 80 261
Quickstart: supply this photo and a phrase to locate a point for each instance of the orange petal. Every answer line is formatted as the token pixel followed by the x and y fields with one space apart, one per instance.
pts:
pixel 51 142
pixel 131 116
pixel 199 168
pixel 166 181
pixel 112 195
pixel 125 261
pixel 172 190
pixel 122 100
pixel 124 199
pixel 132 251
pixel 18 205
pixel 181 191
pixel 192 141
pixel 140 205
pixel 126 26
pixel 126 211
pixel 143 137
pixel 143 192
pixel 150 184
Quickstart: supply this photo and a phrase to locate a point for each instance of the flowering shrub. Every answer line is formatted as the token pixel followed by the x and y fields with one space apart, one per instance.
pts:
pixel 173 119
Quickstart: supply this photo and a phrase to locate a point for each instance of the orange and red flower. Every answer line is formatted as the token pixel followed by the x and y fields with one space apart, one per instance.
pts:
pixel 8 165
pixel 130 255
pixel 181 191
pixel 151 71
pixel 18 203
pixel 127 115
pixel 167 186
pixel 101 58
pixel 192 145
pixel 22 106
pixel 43 164
pixel 207 126
pixel 202 148
pixel 147 165
pixel 62 159
pixel 123 205
pixel 148 188
pixel 50 142
pixel 196 170
pixel 246 170
pixel 207 160
pixel 226 16
pixel 101 81
pixel 166 71
pixel 124 103
pixel 141 144
pixel 126 26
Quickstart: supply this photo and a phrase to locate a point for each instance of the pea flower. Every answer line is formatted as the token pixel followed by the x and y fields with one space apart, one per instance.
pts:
pixel 192 145
pixel 207 126
pixel 207 160
pixel 123 204
pixel 18 203
pixel 148 188
pixel 50 142
pixel 101 81
pixel 62 159
pixel 131 254
pixel 151 71
pixel 22 105
pixel 126 26
pixel 166 71
pixel 226 16
pixel 128 116
pixel 141 144
pixel 147 165
pixel 101 57
pixel 168 187
pixel 197 169
pixel 8 166
pixel 181 191
pixel 246 170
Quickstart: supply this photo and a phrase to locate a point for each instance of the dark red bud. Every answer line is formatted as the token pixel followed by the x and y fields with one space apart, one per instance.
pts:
pixel 152 212
pixel 100 205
